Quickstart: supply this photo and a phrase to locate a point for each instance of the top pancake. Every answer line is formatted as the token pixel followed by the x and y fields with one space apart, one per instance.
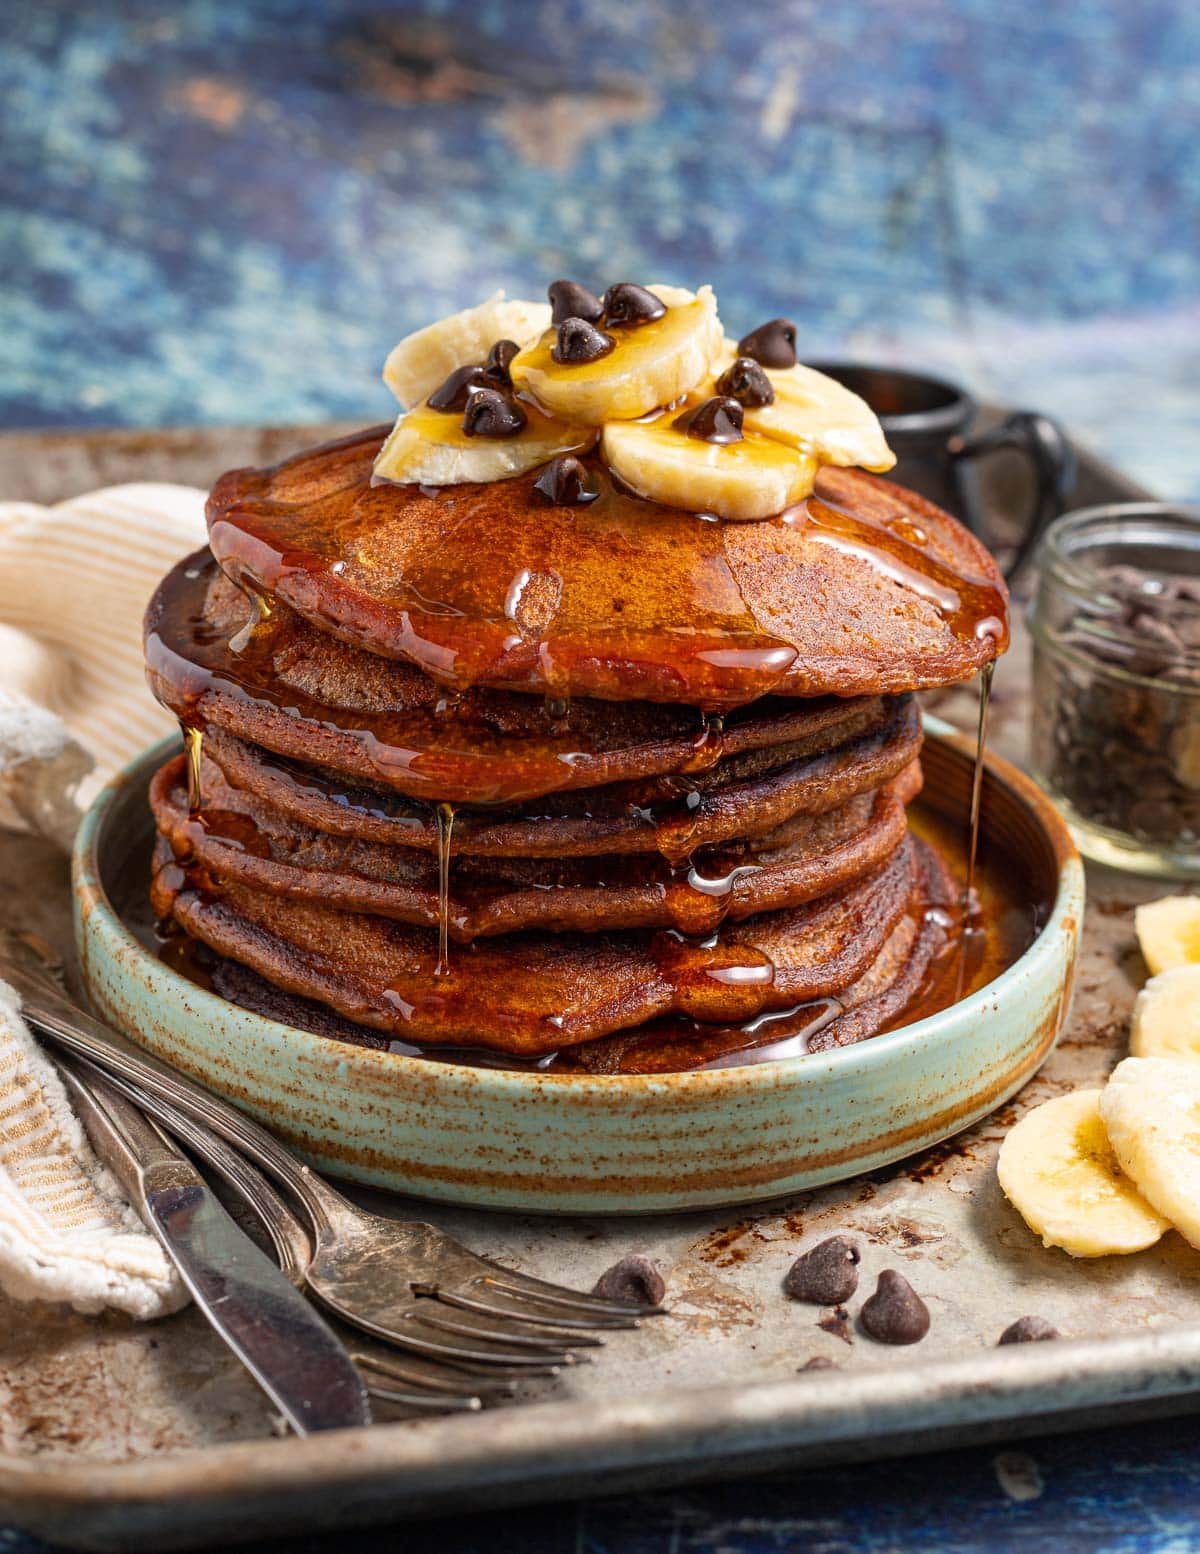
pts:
pixel 864 589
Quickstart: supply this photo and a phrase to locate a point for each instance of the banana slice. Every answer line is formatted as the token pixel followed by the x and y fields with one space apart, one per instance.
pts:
pixel 818 415
pixel 426 359
pixel 1151 1108
pixel 754 478
pixel 1059 1171
pixel 651 365
pixel 1166 1016
pixel 429 447
pixel 1168 931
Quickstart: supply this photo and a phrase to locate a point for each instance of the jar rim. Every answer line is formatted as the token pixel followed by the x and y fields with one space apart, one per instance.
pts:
pixel 1103 601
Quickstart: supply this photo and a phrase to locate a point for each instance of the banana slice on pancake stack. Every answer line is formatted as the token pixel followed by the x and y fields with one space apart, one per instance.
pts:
pixel 683 416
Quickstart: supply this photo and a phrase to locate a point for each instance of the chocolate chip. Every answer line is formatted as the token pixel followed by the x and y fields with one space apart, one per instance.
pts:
pixel 456 390
pixel 578 341
pixel 627 305
pixel 1029 1330
pixel 499 359
pixel 718 419
pixel 565 483
pixel 634 1279
pixel 895 1314
pixel 819 1362
pixel 772 344
pixel 826 1275
pixel 746 382
pixel 568 299
pixel 489 414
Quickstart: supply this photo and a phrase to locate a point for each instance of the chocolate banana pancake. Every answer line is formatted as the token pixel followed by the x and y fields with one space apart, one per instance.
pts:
pixel 533 993
pixel 744 795
pixel 861 588
pixel 570 722
pixel 277 683
pixel 868 1005
pixel 241 838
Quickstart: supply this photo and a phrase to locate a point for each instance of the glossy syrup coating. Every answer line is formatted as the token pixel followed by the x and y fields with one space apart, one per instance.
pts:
pixel 278 682
pixel 235 836
pixel 864 588
pixel 742 797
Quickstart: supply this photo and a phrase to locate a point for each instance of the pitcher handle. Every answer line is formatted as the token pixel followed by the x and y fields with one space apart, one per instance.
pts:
pixel 1044 443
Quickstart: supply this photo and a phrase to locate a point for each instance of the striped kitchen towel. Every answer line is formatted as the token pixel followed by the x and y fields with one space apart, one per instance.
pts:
pixel 74 581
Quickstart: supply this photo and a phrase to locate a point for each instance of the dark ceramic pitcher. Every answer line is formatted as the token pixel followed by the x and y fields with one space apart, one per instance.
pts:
pixel 927 422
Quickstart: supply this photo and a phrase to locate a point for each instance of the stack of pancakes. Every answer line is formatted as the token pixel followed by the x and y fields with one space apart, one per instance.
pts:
pixel 604 786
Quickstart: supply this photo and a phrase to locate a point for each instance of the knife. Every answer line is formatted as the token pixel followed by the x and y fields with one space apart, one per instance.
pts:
pixel 281 1340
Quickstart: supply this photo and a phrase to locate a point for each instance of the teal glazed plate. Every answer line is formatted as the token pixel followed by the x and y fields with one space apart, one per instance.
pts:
pixel 604 1144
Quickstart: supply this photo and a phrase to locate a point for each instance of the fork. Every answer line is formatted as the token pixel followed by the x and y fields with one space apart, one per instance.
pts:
pixel 405 1282
pixel 423 1384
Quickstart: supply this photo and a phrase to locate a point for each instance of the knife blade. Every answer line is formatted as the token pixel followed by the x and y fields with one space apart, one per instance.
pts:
pixel 277 1335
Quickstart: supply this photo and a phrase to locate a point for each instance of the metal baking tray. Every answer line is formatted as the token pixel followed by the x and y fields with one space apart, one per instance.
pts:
pixel 120 1436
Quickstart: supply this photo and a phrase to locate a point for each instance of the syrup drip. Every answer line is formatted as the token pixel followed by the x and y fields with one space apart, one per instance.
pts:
pixel 445 825
pixel 260 607
pixel 193 741
pixel 971 927
pixel 985 696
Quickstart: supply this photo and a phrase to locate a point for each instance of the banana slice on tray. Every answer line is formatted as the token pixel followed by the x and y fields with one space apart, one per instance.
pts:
pixel 1066 1180
pixel 816 414
pixel 614 371
pixel 434 448
pixel 1168 932
pixel 1151 1109
pixel 1166 1016
pixel 751 478
pixel 427 357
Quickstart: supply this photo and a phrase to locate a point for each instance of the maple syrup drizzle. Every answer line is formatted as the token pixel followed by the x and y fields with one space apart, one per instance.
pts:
pixel 972 607
pixel 193 743
pixel 985 696
pixel 445 825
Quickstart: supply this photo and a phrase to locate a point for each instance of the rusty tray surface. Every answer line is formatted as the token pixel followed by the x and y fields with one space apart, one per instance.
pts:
pixel 118 1435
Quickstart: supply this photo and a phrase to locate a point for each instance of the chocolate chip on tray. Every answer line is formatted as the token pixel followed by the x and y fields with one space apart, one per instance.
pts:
pixel 746 382
pixel 489 414
pixel 1028 1330
pixel 772 344
pixel 634 1278
pixel 499 358
pixel 825 1275
pixel 578 342
pixel 627 305
pixel 895 1314
pixel 564 482
pixel 568 299
pixel 456 390
pixel 718 420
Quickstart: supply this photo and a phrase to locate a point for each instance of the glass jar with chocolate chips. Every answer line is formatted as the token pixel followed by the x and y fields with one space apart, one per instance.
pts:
pixel 1116 719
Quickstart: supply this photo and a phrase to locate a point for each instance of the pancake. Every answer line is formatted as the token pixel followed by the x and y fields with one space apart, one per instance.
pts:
pixel 744 795
pixel 387 723
pixel 871 1004
pixel 532 993
pixel 240 838
pixel 862 589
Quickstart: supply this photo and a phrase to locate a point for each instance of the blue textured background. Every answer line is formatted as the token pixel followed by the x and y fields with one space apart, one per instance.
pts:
pixel 228 212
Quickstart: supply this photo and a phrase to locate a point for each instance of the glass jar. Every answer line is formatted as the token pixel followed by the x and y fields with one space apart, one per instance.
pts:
pixel 1116 682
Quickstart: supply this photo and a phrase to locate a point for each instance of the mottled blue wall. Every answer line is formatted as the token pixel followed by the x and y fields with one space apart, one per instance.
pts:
pixel 212 211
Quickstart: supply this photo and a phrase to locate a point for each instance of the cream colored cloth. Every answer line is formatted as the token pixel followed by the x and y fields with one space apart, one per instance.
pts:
pixel 74 582
pixel 65 1231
